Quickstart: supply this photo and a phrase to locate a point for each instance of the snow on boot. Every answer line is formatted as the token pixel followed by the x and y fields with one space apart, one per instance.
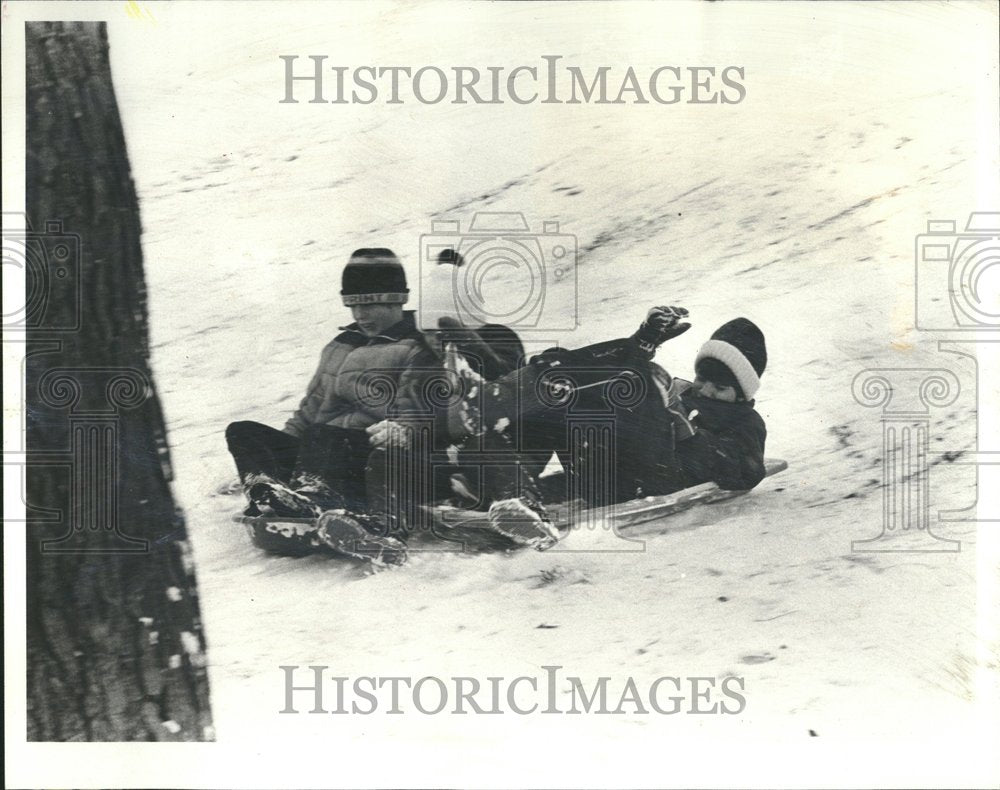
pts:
pixel 515 519
pixel 275 498
pixel 317 491
pixel 345 533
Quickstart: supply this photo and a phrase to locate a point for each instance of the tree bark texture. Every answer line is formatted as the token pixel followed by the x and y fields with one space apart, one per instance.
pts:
pixel 115 648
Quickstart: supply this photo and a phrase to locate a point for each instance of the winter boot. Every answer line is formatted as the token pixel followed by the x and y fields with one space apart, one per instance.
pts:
pixel 273 498
pixel 317 490
pixel 523 523
pixel 358 536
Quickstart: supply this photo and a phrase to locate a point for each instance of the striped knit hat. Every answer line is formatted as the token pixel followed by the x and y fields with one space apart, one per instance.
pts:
pixel 735 356
pixel 374 275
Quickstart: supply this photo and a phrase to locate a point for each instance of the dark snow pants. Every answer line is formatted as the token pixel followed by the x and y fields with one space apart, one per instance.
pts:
pixel 337 468
pixel 260 449
pixel 609 429
pixel 490 468
pixel 324 456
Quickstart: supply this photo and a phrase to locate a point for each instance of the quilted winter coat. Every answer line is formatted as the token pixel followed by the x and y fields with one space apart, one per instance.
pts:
pixel 363 380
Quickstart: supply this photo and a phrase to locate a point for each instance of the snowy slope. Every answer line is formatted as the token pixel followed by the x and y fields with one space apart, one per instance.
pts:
pixel 796 208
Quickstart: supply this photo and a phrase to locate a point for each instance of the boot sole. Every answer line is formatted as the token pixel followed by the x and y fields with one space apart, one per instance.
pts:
pixel 346 536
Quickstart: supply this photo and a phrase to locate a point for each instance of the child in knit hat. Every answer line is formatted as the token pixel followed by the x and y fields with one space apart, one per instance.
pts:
pixel 669 433
pixel 718 435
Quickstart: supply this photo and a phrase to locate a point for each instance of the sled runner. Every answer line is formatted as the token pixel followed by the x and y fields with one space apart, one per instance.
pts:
pixel 469 530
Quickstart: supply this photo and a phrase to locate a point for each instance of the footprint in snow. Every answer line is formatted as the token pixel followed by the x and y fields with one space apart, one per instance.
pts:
pixel 756 658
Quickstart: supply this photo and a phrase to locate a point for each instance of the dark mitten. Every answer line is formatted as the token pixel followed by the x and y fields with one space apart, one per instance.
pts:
pixel 662 323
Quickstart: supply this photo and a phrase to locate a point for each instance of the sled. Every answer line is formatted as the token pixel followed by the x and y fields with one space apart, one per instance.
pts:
pixel 285 537
pixel 626 518
pixel 469 529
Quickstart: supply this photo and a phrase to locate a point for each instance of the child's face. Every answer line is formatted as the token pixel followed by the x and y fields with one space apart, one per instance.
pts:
pixel 376 318
pixel 709 389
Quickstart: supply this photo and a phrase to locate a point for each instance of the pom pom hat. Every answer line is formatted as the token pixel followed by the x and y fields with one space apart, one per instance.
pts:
pixel 735 356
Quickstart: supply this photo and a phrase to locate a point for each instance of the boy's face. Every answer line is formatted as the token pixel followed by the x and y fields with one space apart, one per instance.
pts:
pixel 373 319
pixel 710 389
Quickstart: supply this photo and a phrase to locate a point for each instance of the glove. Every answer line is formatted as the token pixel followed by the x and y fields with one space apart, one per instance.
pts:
pixel 662 323
pixel 382 433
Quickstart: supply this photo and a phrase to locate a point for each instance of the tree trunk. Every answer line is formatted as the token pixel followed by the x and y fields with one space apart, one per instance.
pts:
pixel 115 650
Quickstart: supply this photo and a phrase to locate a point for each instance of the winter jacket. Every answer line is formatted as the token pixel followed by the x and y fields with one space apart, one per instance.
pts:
pixel 508 352
pixel 728 446
pixel 504 351
pixel 363 380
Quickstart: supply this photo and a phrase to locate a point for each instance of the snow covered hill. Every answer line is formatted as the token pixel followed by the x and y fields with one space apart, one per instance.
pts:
pixel 796 208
